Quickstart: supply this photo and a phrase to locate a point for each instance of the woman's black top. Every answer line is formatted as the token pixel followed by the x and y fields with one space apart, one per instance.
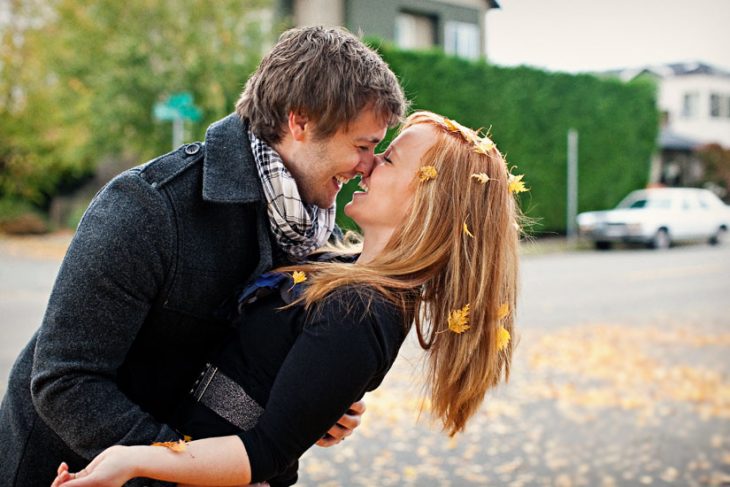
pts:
pixel 285 376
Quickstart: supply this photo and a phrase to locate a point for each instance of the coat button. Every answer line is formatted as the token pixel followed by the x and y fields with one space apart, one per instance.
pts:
pixel 192 149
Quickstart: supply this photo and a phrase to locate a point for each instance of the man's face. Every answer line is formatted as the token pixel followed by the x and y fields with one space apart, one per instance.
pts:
pixel 321 167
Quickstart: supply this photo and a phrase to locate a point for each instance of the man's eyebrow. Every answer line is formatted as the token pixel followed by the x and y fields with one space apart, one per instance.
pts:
pixel 372 140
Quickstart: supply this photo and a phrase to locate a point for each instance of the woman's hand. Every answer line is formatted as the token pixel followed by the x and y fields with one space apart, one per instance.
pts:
pixel 112 468
pixel 345 425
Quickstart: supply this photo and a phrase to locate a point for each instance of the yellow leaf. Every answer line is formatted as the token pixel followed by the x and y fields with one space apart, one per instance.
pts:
pixel 426 173
pixel 483 146
pixel 503 311
pixel 298 276
pixel 176 446
pixel 468 134
pixel 466 231
pixel 481 177
pixel 503 338
pixel 451 125
pixel 516 184
pixel 458 320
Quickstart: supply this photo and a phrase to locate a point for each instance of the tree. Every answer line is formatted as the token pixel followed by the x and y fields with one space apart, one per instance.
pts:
pixel 717 165
pixel 78 80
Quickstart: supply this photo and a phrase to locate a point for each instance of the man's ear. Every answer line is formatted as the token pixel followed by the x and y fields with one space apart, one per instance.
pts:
pixel 299 125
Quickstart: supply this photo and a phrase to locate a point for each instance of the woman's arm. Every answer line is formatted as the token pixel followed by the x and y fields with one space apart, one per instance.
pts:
pixel 218 461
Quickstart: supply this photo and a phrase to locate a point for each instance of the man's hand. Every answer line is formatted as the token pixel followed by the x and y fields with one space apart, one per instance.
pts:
pixel 344 426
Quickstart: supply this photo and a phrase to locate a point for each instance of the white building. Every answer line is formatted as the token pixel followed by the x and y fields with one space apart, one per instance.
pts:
pixel 694 99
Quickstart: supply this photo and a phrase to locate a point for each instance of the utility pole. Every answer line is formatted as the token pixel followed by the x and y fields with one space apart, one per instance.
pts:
pixel 572 203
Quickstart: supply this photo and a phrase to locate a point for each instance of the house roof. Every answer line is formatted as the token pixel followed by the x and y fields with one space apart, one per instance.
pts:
pixel 667 70
pixel 674 141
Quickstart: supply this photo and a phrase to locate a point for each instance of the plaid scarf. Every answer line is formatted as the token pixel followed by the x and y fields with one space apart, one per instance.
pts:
pixel 299 229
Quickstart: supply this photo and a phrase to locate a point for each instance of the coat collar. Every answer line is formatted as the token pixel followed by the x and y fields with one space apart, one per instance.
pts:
pixel 229 169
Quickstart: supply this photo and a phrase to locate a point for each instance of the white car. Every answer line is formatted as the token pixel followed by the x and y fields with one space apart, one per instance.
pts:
pixel 658 217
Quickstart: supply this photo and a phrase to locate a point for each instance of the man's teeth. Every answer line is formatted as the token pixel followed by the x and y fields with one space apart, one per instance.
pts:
pixel 341 179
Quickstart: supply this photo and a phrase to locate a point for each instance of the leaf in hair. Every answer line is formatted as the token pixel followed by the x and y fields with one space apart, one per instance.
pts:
pixel 516 184
pixel 484 146
pixel 503 311
pixel 426 173
pixel 481 177
pixel 298 277
pixel 466 230
pixel 458 320
pixel 503 338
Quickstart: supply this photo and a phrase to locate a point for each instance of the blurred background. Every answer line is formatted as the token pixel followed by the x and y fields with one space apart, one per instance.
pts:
pixel 622 371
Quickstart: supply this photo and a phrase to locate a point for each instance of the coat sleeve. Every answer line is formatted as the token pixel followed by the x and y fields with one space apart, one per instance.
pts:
pixel 342 353
pixel 112 272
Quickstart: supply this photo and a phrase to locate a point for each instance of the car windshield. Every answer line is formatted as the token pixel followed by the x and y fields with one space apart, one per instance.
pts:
pixel 638 202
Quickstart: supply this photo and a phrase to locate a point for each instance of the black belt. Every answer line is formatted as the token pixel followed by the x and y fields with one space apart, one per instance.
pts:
pixel 226 398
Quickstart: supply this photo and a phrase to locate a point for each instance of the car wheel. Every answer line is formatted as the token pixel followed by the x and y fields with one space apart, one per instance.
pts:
pixel 720 237
pixel 602 245
pixel 661 240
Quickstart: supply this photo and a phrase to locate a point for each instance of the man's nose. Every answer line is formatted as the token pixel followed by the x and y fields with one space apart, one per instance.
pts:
pixel 366 164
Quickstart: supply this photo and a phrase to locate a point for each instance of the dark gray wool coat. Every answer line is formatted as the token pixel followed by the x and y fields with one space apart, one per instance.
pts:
pixel 132 316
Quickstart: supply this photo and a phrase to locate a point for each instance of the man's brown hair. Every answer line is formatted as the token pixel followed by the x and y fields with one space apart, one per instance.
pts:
pixel 327 74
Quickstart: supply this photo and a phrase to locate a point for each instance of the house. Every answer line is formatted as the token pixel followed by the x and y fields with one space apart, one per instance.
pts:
pixel 457 26
pixel 694 101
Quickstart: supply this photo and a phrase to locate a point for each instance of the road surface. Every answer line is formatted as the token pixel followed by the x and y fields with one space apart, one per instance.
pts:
pixel 621 378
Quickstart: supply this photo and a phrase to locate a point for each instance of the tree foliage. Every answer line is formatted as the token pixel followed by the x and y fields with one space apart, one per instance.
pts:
pixel 78 80
pixel 717 166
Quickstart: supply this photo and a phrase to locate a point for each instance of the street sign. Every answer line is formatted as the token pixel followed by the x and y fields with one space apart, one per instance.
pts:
pixel 177 106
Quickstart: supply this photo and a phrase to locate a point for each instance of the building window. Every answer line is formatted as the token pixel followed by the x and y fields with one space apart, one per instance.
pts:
pixel 714 105
pixel 690 105
pixel 462 39
pixel 414 31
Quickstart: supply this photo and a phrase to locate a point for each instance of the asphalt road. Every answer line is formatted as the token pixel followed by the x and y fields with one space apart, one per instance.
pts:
pixel 621 377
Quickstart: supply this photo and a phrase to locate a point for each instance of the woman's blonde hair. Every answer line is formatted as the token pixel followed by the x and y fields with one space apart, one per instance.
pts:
pixel 458 246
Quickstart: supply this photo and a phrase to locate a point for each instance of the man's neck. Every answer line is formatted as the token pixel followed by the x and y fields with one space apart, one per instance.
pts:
pixel 285 150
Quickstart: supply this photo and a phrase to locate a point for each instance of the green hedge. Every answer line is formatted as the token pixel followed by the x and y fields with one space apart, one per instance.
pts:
pixel 529 112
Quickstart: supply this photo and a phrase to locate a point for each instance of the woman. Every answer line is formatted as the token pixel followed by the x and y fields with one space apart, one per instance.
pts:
pixel 439 253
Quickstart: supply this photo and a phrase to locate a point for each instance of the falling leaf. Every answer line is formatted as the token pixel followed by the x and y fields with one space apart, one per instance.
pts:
pixel 516 184
pixel 503 311
pixel 298 276
pixel 176 446
pixel 481 177
pixel 426 173
pixel 503 338
pixel 458 320
pixel 466 230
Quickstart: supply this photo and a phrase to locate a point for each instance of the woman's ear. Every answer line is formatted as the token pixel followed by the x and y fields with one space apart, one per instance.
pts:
pixel 299 125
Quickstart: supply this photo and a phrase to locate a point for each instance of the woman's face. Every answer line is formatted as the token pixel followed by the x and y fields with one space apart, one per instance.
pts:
pixel 390 187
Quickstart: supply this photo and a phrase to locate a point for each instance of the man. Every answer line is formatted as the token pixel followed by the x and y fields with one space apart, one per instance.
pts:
pixel 135 308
